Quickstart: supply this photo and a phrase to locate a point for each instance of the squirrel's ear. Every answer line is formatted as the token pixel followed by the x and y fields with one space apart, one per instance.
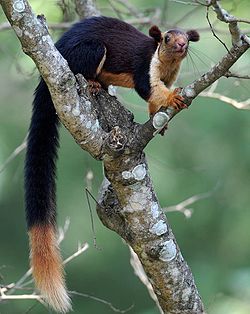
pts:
pixel 155 33
pixel 193 35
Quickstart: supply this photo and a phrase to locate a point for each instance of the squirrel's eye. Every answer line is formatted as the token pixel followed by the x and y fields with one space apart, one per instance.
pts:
pixel 167 38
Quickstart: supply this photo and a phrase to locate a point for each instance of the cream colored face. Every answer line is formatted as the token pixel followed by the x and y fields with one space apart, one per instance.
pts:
pixel 174 44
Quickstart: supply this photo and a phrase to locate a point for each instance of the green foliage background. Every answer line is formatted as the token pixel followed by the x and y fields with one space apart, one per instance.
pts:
pixel 207 148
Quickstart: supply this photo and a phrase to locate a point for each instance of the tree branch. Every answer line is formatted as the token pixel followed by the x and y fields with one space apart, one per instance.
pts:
pixel 14 154
pixel 86 8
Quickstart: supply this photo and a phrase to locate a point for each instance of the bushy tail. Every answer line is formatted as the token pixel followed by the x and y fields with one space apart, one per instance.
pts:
pixel 47 267
pixel 40 174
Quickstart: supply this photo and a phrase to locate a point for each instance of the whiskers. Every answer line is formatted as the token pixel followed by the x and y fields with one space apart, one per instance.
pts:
pixel 200 62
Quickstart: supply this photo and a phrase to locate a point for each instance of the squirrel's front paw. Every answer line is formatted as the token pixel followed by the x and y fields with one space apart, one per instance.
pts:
pixel 175 100
pixel 94 87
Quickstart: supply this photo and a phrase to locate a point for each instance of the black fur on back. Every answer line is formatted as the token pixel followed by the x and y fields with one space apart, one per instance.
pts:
pixel 83 46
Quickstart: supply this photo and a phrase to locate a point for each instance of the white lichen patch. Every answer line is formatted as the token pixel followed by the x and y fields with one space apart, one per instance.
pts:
pixel 186 294
pixel 84 142
pixel 67 108
pixel 126 175
pixel 195 307
pixel 28 34
pixel 175 273
pixel 82 118
pixel 112 90
pixel 139 197
pixel 76 111
pixel 19 6
pixel 169 111
pixel 134 206
pixel 189 92
pixel 155 210
pixel 95 126
pixel 139 172
pixel 160 119
pixel 138 200
pixel 159 228
pixel 88 124
pixel 87 105
pixel 168 252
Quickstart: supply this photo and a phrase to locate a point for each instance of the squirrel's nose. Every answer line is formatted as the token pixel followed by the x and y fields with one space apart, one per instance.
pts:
pixel 181 44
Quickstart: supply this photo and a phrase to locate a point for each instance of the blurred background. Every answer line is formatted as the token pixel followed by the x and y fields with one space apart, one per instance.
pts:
pixel 206 150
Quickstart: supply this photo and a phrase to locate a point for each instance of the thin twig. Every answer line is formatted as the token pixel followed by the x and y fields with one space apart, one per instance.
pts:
pixel 237 75
pixel 131 8
pixel 87 192
pixel 185 2
pixel 101 301
pixel 140 273
pixel 182 207
pixel 213 32
pixel 22 281
pixel 81 248
pixel 63 230
pixel 14 154
pixel 237 104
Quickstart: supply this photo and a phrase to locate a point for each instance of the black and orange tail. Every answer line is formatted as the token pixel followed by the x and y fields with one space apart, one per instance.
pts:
pixel 40 175
pixel 47 267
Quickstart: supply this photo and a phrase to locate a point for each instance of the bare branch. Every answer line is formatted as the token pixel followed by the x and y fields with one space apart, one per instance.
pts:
pixel 217 71
pixel 237 104
pixel 237 75
pixel 195 3
pixel 182 207
pixel 52 26
pixel 131 8
pixel 224 16
pixel 22 282
pixel 14 154
pixel 81 248
pixel 86 8
pixel 63 230
pixel 5 26
pixel 64 7
pixel 140 273
pixel 212 30
pixel 109 304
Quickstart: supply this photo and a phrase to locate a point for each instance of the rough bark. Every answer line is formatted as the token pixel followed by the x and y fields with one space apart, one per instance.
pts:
pixel 104 128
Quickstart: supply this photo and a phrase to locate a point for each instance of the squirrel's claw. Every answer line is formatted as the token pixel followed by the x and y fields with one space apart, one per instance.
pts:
pixel 94 87
pixel 176 101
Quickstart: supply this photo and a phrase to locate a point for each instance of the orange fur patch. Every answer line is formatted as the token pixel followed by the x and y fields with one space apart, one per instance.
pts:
pixel 158 98
pixel 47 267
pixel 122 79
pixel 162 97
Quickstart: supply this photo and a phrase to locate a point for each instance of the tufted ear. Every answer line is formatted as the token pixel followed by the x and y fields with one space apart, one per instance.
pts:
pixel 193 35
pixel 155 32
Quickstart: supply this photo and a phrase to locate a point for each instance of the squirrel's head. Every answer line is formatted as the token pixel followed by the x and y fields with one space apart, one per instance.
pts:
pixel 173 43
